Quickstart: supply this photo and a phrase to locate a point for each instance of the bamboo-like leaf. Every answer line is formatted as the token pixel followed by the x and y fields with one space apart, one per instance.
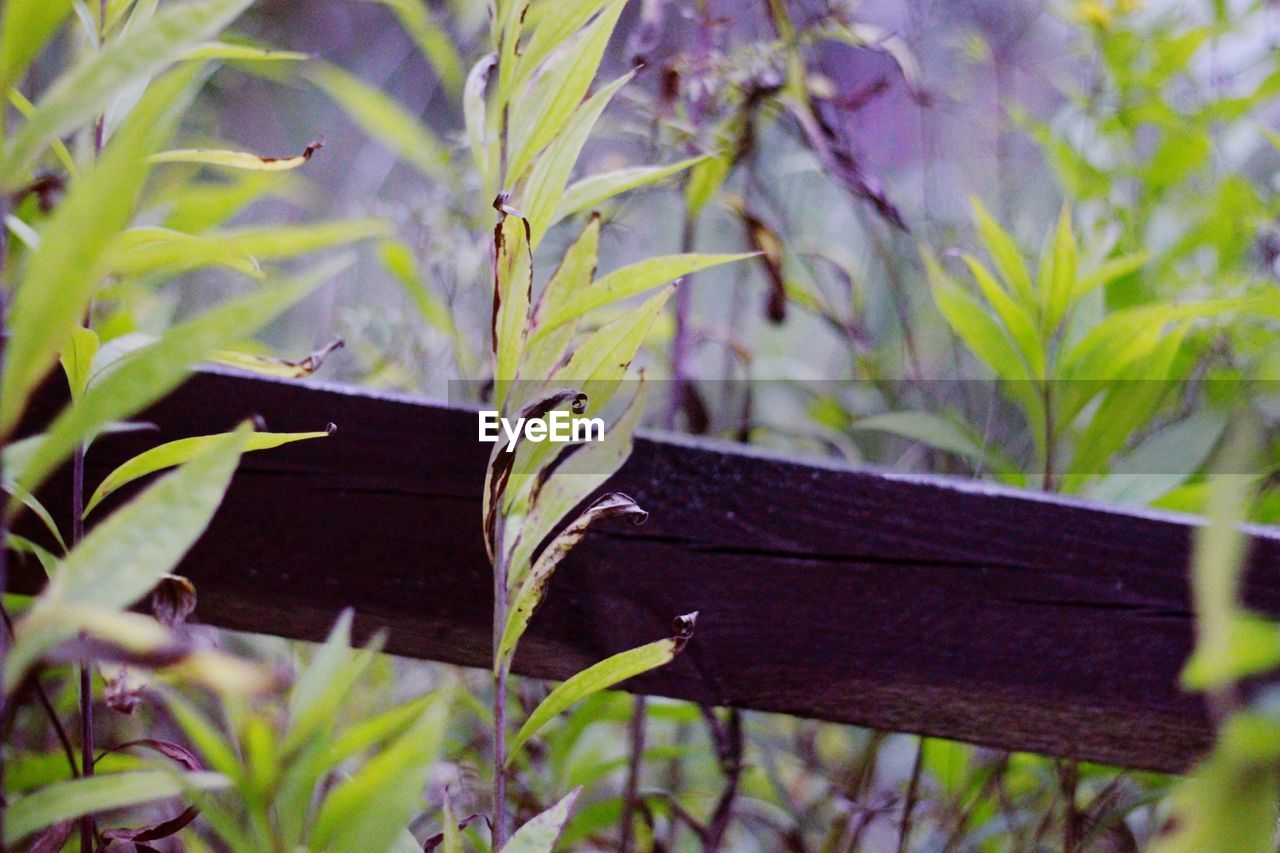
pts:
pixel 183 450
pixel 475 116
pixel 384 119
pixel 600 363
pixel 929 429
pixel 151 372
pixel 77 359
pixel 77 97
pixel 550 174
pixel 432 40
pixel 629 281
pixel 1111 270
pixel 553 96
pixel 222 50
pixel 276 242
pixel 398 260
pixel 1020 325
pixel 1004 253
pixel 591 191
pixel 552 29
pixel 1057 279
pixel 370 810
pixel 576 271
pixel 145 250
pixel 27 109
pixel 512 293
pixel 74 798
pixel 200 205
pixel 125 556
pixel 539 835
pixel 534 583
pixel 25 27
pixel 452 840
pixel 602 676
pixel 61 276
pixel 236 159
pixel 971 323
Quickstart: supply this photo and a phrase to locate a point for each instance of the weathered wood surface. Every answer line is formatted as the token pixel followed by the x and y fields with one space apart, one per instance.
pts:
pixel 910 604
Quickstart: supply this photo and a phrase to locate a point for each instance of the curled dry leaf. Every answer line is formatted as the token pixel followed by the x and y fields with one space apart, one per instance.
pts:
pixel 524 602
pixel 279 367
pixel 164 829
pixel 237 159
pixel 173 600
pixel 501 461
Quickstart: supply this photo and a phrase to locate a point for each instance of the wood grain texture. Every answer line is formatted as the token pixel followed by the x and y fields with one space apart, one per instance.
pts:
pixel 912 604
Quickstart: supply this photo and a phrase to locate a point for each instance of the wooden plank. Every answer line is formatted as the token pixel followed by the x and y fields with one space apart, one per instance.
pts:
pixel 913 604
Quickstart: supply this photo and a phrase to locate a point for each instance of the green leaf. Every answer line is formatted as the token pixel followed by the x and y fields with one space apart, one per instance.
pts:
pixel 141 251
pixel 242 53
pixel 512 288
pixel 452 841
pixel 432 40
pixel 540 833
pixel 1110 271
pixel 594 189
pixel 1020 325
pixel 1057 280
pixel 125 556
pixel 629 281
pixel 151 372
pixel 534 584
pixel 25 28
pixel 601 676
pixel 177 452
pixel 576 271
pixel 276 242
pixel 370 810
pixel 384 119
pixel 926 428
pixel 398 260
pixel 550 32
pixel 76 797
pixel 553 96
pixel 601 362
pixel 234 159
pixel 77 359
pixel 475 117
pixel 971 323
pixel 77 97
pixel 550 174
pixel 1004 253
pixel 1163 461
pixel 320 674
pixel 61 276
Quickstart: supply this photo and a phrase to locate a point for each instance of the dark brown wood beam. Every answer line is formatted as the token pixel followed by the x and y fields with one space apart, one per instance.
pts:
pixel 953 609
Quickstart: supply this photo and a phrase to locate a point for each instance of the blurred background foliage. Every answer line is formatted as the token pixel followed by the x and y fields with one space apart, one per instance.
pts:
pixel 1028 241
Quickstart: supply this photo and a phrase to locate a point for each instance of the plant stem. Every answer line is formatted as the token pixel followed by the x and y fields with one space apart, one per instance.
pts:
pixel 499 692
pixel 680 346
pixel 4 510
pixel 86 667
pixel 913 788
pixel 633 772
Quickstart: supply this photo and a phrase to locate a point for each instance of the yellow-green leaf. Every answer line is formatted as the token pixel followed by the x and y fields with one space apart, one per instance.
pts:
pixel 77 359
pixel 1004 253
pixel 242 53
pixel 591 191
pixel 236 159
pixel 183 450
pixel 540 834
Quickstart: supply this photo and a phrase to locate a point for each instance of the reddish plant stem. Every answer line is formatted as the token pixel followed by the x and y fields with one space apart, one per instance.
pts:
pixel 629 795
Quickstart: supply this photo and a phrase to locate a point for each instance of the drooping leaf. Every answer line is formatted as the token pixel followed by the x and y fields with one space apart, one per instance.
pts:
pixel 149 373
pixel 61 276
pixel 280 368
pixel 384 119
pixel 237 159
pixel 533 584
pixel 183 450
pixel 592 190
pixel 121 559
pixel 602 676
pixel 540 833
pixel 77 97
pixel 67 800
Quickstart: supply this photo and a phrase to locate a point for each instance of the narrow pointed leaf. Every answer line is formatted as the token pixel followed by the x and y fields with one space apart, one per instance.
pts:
pixel 236 159
pixel 539 835
pixel 1004 253
pixel 591 191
